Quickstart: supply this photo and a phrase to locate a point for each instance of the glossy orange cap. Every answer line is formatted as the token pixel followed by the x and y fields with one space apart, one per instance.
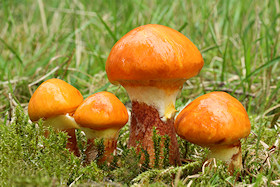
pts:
pixel 212 119
pixel 153 52
pixel 102 110
pixel 53 97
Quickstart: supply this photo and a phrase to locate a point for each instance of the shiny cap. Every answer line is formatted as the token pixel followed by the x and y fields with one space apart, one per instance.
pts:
pixel 53 97
pixel 102 110
pixel 153 52
pixel 213 119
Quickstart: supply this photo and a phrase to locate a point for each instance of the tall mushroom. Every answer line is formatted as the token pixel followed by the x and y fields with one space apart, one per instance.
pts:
pixel 152 62
pixel 55 101
pixel 101 116
pixel 218 121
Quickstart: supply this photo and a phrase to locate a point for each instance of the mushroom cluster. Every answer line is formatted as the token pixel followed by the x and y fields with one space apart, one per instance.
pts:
pixel 62 107
pixel 152 62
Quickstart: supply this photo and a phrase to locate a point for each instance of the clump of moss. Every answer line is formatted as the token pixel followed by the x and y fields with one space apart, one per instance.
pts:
pixel 166 151
pixel 161 149
pixel 100 148
pixel 157 147
pixel 27 157
pixel 128 166
pixel 167 175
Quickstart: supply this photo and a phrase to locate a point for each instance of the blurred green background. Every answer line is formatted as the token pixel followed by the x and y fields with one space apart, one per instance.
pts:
pixel 72 39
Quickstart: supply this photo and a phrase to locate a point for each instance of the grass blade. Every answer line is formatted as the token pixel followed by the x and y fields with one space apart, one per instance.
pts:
pixel 107 28
pixel 262 67
pixel 224 63
pixel 183 27
pixel 12 50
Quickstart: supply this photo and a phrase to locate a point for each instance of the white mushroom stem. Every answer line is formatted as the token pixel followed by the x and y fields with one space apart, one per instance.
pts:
pixel 61 122
pixel 67 124
pixel 161 99
pixel 231 154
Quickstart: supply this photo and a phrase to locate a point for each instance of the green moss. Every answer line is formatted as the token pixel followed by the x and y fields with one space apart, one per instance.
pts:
pixel 166 151
pixel 27 157
pixel 166 175
pixel 157 147
pixel 100 148
pixel 129 167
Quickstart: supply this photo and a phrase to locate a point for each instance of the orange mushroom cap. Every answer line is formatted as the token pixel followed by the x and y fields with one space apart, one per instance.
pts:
pixel 213 119
pixel 102 110
pixel 153 52
pixel 53 97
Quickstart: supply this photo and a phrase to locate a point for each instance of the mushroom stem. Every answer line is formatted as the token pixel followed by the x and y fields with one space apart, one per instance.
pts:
pixel 110 146
pixel 62 123
pixel 231 154
pixel 154 106
pixel 109 136
pixel 91 151
pixel 143 119
pixel 72 142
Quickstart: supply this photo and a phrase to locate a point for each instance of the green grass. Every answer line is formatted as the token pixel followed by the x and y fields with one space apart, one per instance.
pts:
pixel 71 40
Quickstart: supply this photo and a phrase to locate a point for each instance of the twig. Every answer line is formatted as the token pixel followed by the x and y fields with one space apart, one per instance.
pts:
pixel 252 175
pixel 238 92
pixel 77 70
pixel 204 165
pixel 276 182
pixel 13 81
pixel 177 177
pixel 272 111
pixel 191 177
pixel 13 104
pixel 190 183
pixel 76 180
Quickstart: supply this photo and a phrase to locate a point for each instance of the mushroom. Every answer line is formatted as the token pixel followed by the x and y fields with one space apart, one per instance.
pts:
pixel 152 62
pixel 55 101
pixel 218 121
pixel 101 116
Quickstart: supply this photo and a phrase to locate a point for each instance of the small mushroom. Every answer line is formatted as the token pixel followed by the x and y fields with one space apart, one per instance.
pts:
pixel 152 62
pixel 101 116
pixel 55 101
pixel 218 121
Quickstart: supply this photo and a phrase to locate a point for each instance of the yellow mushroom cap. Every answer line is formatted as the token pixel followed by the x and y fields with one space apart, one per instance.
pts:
pixel 52 98
pixel 213 119
pixel 100 111
pixel 153 52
